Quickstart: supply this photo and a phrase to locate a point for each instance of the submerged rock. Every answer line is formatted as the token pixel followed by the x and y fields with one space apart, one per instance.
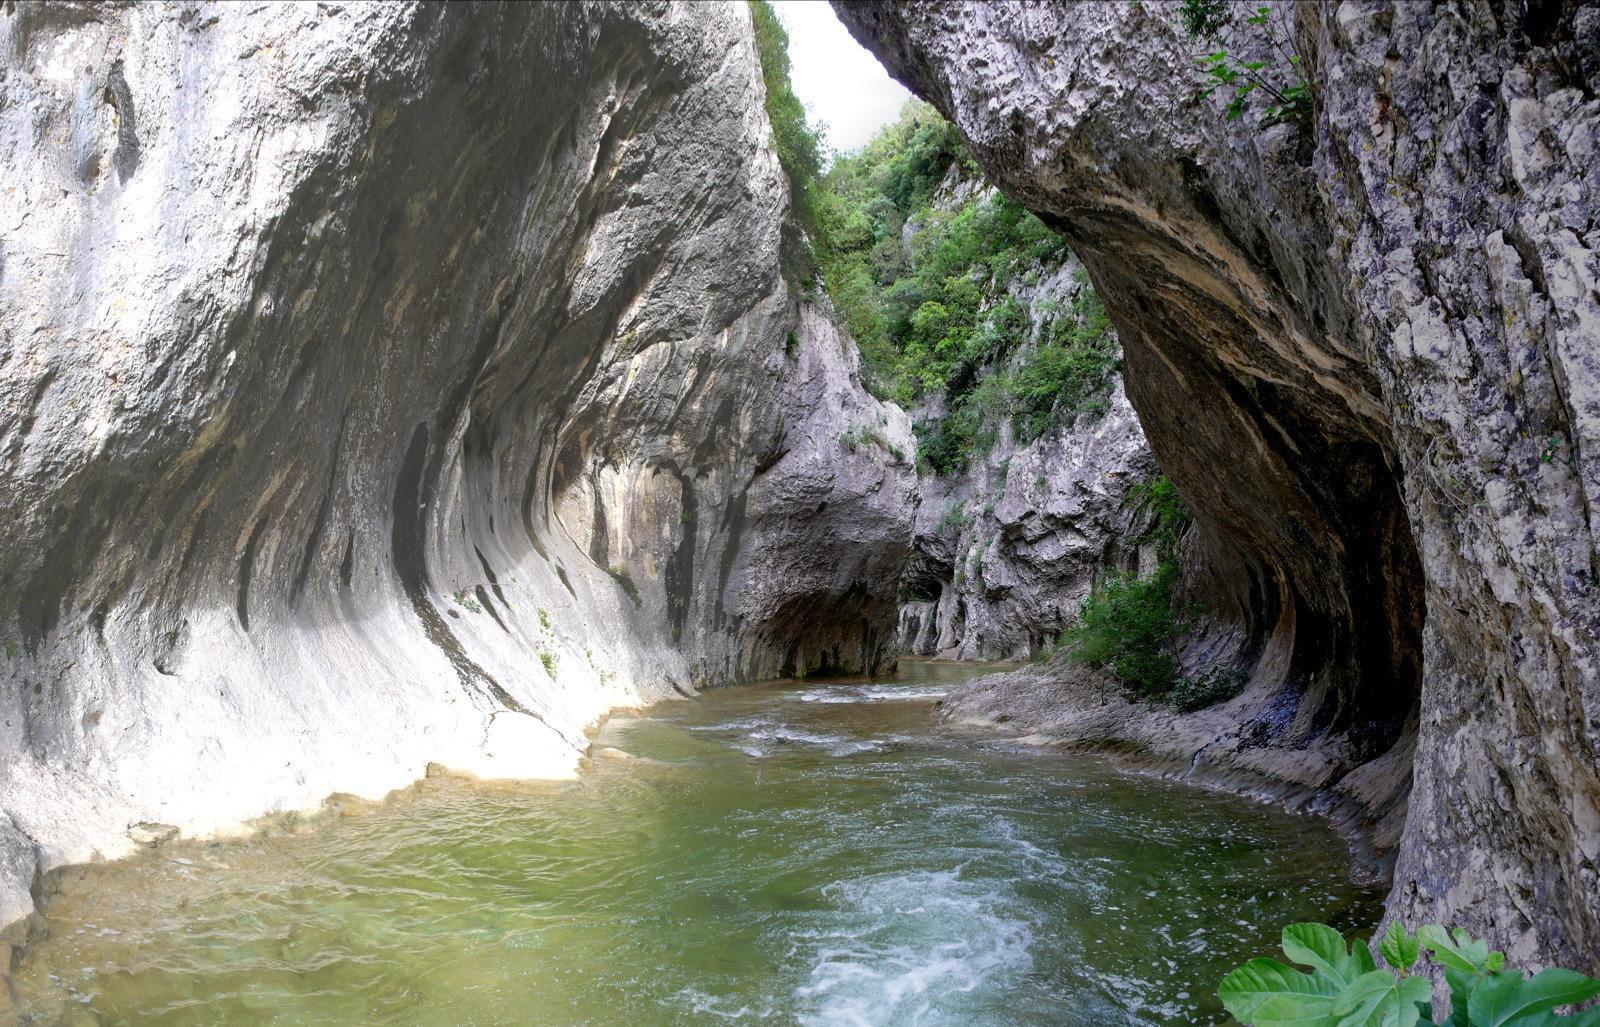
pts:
pixel 1363 348
pixel 386 385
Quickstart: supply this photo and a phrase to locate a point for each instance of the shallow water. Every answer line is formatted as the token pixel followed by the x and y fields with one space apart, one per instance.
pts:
pixel 806 853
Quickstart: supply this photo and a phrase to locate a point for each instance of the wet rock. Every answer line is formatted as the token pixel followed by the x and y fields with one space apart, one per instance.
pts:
pixel 1363 351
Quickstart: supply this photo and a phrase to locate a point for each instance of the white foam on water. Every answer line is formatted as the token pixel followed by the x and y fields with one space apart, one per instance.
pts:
pixel 761 742
pixel 723 1008
pixel 836 694
pixel 902 946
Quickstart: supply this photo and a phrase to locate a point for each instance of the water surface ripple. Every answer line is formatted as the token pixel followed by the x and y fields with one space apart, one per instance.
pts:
pixel 809 853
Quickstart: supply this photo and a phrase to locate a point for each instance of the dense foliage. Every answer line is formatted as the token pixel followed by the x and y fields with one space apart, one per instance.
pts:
pixel 799 144
pixel 1126 626
pixel 926 292
pixel 930 306
pixel 1345 987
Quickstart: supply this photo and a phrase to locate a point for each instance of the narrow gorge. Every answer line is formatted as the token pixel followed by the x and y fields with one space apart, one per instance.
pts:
pixel 1143 494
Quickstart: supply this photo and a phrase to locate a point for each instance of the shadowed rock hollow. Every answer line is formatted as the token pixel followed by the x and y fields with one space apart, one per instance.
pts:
pixel 395 384
pixel 1365 353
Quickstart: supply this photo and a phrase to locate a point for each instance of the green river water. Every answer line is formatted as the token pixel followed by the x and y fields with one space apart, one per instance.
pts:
pixel 797 853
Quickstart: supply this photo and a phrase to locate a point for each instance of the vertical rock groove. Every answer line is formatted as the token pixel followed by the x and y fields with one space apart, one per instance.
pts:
pixel 343 288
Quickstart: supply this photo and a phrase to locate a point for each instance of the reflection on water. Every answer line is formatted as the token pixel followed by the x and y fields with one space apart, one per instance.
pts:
pixel 808 853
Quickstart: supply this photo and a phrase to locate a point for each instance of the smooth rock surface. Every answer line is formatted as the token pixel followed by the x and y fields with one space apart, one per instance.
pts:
pixel 384 385
pixel 1365 352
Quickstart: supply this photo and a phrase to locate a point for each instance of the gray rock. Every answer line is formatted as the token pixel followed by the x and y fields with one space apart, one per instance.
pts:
pixel 385 385
pixel 829 523
pixel 1366 356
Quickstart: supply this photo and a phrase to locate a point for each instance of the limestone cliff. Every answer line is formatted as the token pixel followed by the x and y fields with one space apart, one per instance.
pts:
pixel 391 384
pixel 1007 549
pixel 1364 350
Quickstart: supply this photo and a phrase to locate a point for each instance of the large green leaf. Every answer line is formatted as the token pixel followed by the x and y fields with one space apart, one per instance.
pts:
pixel 1460 950
pixel 1508 997
pixel 1587 1018
pixel 1377 999
pixel 1323 949
pixel 1461 985
pixel 1266 993
pixel 1399 947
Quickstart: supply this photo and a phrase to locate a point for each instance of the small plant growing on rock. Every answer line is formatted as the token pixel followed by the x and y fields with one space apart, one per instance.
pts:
pixel 621 577
pixel 857 437
pixel 956 517
pixel 864 435
pixel 1345 987
pixel 544 618
pixel 467 603
pixel 550 660
pixel 1215 685
pixel 1281 79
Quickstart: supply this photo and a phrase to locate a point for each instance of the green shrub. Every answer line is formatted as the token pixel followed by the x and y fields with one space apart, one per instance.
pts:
pixel 550 660
pixel 621 577
pixel 1126 626
pixel 1169 514
pixel 1279 77
pixel 1207 689
pixel 1345 987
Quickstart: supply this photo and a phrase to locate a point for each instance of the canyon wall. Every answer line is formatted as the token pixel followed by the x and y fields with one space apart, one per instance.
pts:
pixel 1364 349
pixel 393 384
pixel 1007 548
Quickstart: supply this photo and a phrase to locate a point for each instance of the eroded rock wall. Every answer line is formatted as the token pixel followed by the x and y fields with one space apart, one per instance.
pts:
pixel 394 384
pixel 1365 352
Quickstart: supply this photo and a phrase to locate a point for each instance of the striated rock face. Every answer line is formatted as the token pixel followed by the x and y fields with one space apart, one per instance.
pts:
pixel 1365 354
pixel 829 523
pixel 388 384
pixel 1007 550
